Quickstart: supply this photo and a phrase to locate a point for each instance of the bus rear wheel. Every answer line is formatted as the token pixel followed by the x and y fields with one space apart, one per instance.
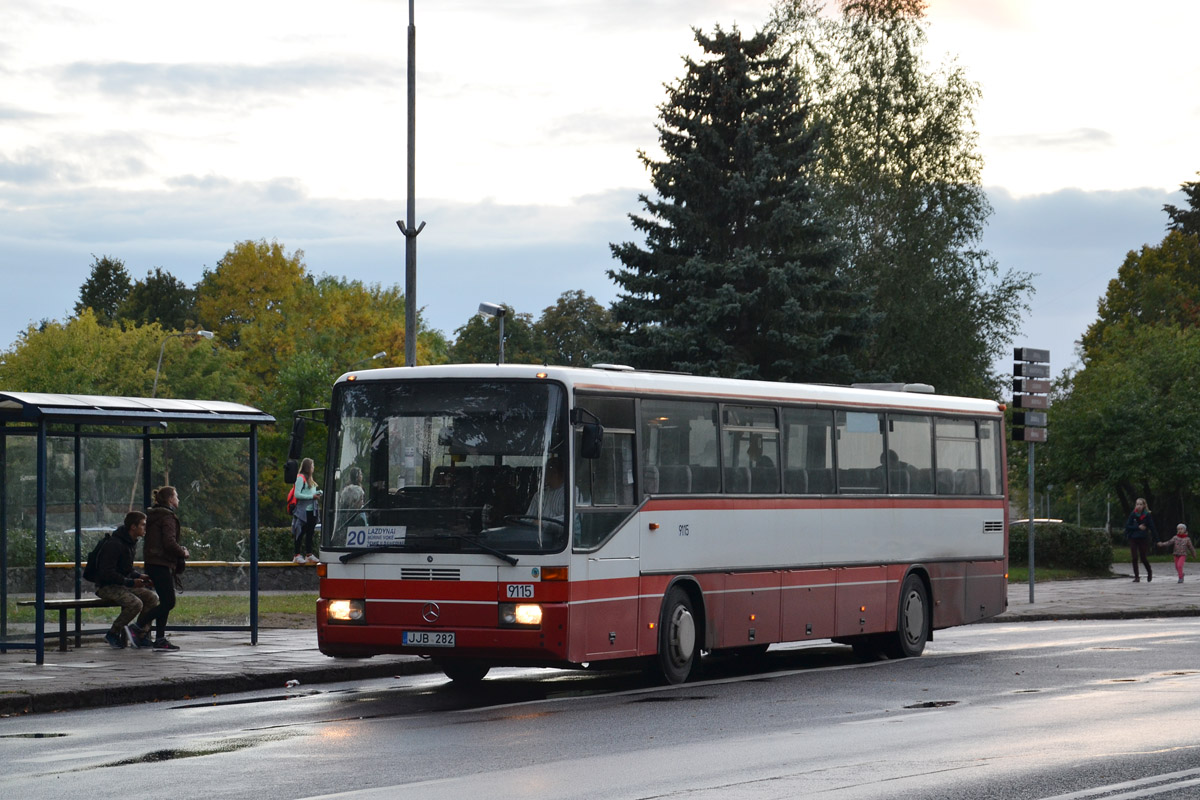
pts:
pixel 912 621
pixel 463 671
pixel 677 647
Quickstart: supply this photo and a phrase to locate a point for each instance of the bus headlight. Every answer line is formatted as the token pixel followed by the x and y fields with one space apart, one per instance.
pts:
pixel 520 615
pixel 345 611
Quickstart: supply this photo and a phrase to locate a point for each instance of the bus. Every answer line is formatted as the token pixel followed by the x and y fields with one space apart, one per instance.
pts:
pixel 523 515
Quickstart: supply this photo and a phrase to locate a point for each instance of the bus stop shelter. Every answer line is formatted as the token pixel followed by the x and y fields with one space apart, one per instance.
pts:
pixel 78 417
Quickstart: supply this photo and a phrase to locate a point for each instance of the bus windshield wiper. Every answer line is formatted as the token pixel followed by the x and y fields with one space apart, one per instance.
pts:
pixel 487 548
pixel 353 554
pixel 500 554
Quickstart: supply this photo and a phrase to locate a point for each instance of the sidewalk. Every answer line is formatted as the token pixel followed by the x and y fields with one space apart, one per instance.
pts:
pixel 212 663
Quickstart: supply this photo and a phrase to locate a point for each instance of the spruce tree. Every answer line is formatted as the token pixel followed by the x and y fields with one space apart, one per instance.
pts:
pixel 739 276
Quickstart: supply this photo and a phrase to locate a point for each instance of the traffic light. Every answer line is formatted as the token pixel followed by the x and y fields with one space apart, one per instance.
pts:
pixel 1031 390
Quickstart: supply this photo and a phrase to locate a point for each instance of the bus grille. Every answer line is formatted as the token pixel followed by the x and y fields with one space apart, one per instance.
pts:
pixel 428 574
pixel 993 526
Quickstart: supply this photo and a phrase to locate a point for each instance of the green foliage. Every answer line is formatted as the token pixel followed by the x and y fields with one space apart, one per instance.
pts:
pixel 1061 546
pixel 105 290
pixel 478 341
pixel 1158 285
pixel 161 298
pixel 1128 421
pixel 899 174
pixel 739 276
pixel 1186 220
pixel 233 544
pixel 575 329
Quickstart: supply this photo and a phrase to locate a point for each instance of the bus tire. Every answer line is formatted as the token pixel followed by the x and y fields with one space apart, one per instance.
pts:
pixel 677 645
pixel 912 621
pixel 463 671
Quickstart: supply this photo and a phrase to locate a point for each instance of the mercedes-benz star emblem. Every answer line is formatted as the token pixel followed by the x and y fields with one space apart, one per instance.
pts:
pixel 431 612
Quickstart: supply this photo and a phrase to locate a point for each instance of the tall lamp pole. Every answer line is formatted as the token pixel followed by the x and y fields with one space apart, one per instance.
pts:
pixel 410 230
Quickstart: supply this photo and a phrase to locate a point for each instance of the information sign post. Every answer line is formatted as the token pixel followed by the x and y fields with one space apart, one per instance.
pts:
pixel 1031 394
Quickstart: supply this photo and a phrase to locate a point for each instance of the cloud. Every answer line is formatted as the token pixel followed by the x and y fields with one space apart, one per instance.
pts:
pixel 221 83
pixel 1078 139
pixel 1074 241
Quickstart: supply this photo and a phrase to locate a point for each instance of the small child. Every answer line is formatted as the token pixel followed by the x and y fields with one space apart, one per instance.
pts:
pixel 1183 546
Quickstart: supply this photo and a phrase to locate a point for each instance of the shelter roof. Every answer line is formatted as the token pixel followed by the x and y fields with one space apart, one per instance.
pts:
pixel 134 411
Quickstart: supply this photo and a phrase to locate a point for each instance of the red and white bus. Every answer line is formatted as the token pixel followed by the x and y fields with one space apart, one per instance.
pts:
pixel 488 515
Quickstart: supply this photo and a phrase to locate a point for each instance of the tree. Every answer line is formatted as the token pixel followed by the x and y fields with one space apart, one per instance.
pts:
pixel 91 358
pixel 1126 421
pixel 739 276
pixel 574 330
pixel 248 285
pixel 1158 285
pixel 161 298
pixel 478 341
pixel 1186 220
pixel 899 173
pixel 105 290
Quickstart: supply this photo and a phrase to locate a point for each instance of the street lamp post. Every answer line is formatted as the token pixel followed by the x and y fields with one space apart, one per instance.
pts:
pixel 201 333
pixel 376 357
pixel 497 311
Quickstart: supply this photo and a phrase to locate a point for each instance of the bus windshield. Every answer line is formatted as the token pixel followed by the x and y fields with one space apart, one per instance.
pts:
pixel 448 466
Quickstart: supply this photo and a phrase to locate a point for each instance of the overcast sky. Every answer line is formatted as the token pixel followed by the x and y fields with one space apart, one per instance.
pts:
pixel 162 133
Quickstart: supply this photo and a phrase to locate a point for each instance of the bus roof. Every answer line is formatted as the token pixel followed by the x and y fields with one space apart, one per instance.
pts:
pixel 668 385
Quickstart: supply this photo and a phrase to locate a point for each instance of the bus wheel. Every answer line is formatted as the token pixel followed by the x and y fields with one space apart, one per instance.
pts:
pixel 677 649
pixel 461 671
pixel 912 623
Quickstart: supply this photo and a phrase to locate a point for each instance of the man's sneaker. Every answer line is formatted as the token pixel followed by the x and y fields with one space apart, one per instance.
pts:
pixel 299 559
pixel 164 645
pixel 114 640
pixel 136 637
pixel 311 559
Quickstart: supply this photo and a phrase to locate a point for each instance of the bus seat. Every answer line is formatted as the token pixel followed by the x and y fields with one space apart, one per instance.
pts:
pixel 675 479
pixel 898 482
pixel 764 480
pixel 737 479
pixel 945 481
pixel 820 481
pixel 921 481
pixel 966 481
pixel 650 480
pixel 705 480
pixel 795 481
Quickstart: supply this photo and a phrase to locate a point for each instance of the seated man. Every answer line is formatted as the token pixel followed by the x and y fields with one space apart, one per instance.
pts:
pixel 549 503
pixel 118 582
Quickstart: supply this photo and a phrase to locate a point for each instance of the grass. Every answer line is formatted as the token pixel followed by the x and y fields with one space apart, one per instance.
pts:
pixel 274 611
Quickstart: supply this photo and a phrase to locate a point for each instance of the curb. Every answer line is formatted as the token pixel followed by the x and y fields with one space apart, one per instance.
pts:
pixel 1052 616
pixel 192 689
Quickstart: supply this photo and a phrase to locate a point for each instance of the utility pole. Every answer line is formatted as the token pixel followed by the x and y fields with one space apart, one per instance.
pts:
pixel 410 232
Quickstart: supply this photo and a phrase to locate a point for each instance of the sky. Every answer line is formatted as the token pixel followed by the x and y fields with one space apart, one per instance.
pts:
pixel 162 134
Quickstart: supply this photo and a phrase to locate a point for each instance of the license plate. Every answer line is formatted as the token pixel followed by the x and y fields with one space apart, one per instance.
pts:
pixel 427 639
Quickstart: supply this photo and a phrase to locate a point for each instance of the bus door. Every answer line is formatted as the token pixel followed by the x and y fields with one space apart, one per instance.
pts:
pixel 604 610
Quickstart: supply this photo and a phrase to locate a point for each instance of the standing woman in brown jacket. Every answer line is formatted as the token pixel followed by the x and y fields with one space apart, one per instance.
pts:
pixel 163 554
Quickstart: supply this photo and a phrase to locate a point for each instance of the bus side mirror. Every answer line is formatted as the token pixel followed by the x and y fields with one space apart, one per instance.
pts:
pixel 297 443
pixel 593 438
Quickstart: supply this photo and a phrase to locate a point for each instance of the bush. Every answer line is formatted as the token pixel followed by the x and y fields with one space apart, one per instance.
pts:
pixel 233 544
pixel 1060 545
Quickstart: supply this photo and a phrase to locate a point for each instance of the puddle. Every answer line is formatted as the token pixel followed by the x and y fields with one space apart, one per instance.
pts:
pixel 32 735
pixel 934 704
pixel 243 701
pixel 204 749
pixel 669 699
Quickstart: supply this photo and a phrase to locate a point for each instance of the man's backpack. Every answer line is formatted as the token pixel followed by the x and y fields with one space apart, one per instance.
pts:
pixel 89 568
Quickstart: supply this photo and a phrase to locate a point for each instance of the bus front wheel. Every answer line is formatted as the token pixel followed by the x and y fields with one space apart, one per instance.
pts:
pixel 912 621
pixel 463 671
pixel 677 647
